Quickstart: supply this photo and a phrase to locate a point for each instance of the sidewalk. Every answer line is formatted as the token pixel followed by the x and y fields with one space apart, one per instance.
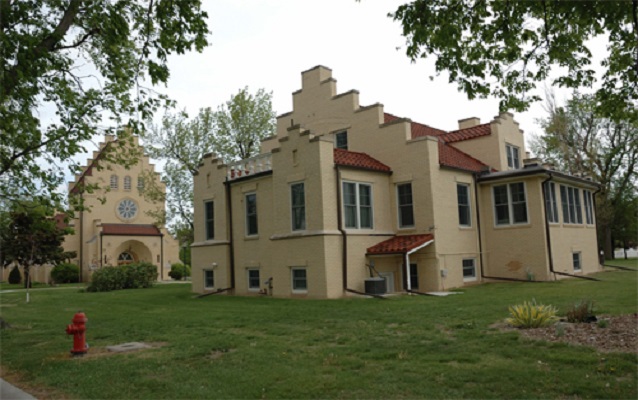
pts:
pixel 10 392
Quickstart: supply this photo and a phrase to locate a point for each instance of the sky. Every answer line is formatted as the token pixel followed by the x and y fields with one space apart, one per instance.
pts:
pixel 267 44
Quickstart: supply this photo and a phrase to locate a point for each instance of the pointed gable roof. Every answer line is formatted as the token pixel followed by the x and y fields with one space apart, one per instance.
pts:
pixel 358 160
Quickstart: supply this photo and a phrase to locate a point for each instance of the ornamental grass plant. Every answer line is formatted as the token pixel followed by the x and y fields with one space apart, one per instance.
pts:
pixel 531 315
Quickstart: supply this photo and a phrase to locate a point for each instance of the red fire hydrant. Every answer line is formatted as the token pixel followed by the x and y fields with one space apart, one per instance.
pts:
pixel 77 329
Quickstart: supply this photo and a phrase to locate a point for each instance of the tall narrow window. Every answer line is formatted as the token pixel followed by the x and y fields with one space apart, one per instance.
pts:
pixel 513 156
pixel 357 205
pixel 114 182
pixel 341 140
pixel 299 280
pixel 209 214
pixel 589 207
pixel 463 197
pixel 414 276
pixel 209 279
pixel 572 210
pixel 298 205
pixel 510 205
pixel 406 210
pixel 469 269
pixel 127 183
pixel 576 261
pixel 140 183
pixel 251 214
pixel 253 279
pixel 551 208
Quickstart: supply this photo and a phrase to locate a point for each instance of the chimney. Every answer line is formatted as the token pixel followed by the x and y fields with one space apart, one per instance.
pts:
pixel 469 122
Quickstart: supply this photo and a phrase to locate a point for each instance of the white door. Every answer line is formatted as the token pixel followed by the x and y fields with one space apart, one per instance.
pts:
pixel 389 281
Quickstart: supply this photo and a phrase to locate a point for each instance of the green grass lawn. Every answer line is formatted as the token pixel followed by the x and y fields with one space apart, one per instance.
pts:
pixel 237 347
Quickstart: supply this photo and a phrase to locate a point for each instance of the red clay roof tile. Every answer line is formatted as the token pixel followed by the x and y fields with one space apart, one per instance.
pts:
pixel 467 133
pixel 450 156
pixel 400 244
pixel 358 160
pixel 130 230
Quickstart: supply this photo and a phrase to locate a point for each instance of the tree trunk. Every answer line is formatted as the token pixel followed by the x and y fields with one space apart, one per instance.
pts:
pixel 608 242
pixel 27 280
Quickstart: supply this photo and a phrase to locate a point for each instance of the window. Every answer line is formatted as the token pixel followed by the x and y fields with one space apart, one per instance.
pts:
pixel 299 280
pixel 114 182
pixel 513 157
pixel 510 206
pixel 463 196
pixel 357 205
pixel 251 214
pixel 406 211
pixel 125 258
pixel 469 269
pixel 140 183
pixel 551 208
pixel 570 200
pixel 127 183
pixel 414 276
pixel 341 140
pixel 576 261
pixel 209 214
pixel 209 279
pixel 298 206
pixel 589 207
pixel 253 279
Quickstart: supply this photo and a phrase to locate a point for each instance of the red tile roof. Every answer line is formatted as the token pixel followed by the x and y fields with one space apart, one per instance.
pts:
pixel 450 156
pixel 417 129
pixel 400 244
pixel 467 133
pixel 130 230
pixel 358 160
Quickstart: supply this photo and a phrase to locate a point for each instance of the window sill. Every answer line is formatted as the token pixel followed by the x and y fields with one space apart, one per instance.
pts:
pixel 470 280
pixel 513 226
pixel 251 237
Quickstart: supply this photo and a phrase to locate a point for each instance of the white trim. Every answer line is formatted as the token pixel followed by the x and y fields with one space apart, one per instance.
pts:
pixel 407 261
pixel 292 279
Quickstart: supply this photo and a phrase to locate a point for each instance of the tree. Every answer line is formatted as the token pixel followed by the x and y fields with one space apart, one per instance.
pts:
pixel 233 132
pixel 69 65
pixel 503 48
pixel 29 235
pixel 578 140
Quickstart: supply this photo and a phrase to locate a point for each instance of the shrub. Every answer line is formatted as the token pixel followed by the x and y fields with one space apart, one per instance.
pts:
pixel 179 271
pixel 531 315
pixel 130 276
pixel 583 311
pixel 14 275
pixel 65 273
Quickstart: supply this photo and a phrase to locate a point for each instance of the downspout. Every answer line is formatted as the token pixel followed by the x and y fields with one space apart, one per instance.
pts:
pixel 230 234
pixel 344 236
pixel 162 257
pixel 81 237
pixel 548 239
pixel 101 253
pixel 478 227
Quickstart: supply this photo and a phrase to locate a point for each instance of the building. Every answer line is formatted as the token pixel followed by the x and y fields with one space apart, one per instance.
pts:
pixel 348 198
pixel 119 223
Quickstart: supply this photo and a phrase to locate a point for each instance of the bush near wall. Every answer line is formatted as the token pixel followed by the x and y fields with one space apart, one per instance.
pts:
pixel 130 276
pixel 179 271
pixel 14 276
pixel 65 273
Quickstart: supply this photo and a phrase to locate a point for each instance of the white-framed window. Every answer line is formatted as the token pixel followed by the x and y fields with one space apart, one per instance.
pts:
pixel 406 206
pixel 510 205
pixel 357 205
pixel 551 207
pixel 209 215
pixel 209 279
pixel 589 207
pixel 513 156
pixel 298 206
pixel 114 182
pixel 570 200
pixel 576 261
pixel 299 280
pixel 127 183
pixel 341 140
pixel 253 279
pixel 463 198
pixel 251 214
pixel 469 269
pixel 414 276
